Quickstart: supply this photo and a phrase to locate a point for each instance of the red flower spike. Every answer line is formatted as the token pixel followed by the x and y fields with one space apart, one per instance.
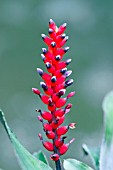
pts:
pixel 54 87
pixel 55 157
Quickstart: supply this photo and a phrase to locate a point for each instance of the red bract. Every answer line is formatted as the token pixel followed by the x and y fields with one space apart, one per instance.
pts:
pixel 54 87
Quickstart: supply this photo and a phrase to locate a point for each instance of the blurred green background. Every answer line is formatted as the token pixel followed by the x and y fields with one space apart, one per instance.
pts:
pixel 90 28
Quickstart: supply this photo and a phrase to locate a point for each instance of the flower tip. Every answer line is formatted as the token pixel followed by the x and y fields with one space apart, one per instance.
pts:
pixel 63 36
pixel 36 91
pixel 67 37
pixel 72 140
pixel 51 21
pixel 69 106
pixel 62 92
pixel 66 49
pixel 40 71
pixel 40 136
pixel 54 157
pixel 72 125
pixel 40 118
pixel 69 82
pixel 42 56
pixel 68 73
pixel 71 94
pixel 64 25
pixel 50 31
pixel 58 57
pixel 68 61
pixel 43 36
pixel 53 44
pixel 53 79
pixel 44 50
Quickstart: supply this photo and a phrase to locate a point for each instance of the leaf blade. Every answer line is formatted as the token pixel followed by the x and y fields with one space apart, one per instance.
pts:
pixel 94 155
pixel 25 159
pixel 41 156
pixel 74 164
pixel 106 154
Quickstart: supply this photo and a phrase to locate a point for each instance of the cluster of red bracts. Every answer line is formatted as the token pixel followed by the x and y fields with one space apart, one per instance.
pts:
pixel 54 87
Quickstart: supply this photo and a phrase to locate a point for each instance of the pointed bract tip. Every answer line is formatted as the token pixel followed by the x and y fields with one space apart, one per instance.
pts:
pixel 72 140
pixel 36 91
pixel 40 136
pixel 58 57
pixel 72 125
pixel 69 82
pixel 53 44
pixel 63 36
pixel 71 94
pixel 66 49
pixel 50 31
pixel 68 61
pixel 44 50
pixel 42 84
pixel 67 37
pixel 43 56
pixel 63 70
pixel 43 36
pixel 53 79
pixel 69 106
pixel 62 92
pixel 40 71
pixel 65 24
pixel 40 118
pixel 51 21
pixel 48 65
pixel 54 157
pixel 68 73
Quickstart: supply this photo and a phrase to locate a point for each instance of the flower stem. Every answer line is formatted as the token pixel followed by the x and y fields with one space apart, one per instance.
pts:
pixel 58 165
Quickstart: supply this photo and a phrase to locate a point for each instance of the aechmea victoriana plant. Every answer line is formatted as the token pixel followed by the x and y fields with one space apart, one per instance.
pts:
pixel 54 86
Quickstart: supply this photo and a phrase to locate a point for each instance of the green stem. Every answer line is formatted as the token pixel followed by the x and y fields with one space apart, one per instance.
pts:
pixel 58 165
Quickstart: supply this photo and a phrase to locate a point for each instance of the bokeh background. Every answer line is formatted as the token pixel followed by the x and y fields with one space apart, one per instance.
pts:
pixel 90 28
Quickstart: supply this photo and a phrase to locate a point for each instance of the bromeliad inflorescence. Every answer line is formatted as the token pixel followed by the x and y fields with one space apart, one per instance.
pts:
pixel 54 87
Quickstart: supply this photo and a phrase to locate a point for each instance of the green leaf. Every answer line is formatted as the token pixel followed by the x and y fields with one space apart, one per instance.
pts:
pixel 73 164
pixel 106 152
pixel 94 155
pixel 41 156
pixel 26 160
